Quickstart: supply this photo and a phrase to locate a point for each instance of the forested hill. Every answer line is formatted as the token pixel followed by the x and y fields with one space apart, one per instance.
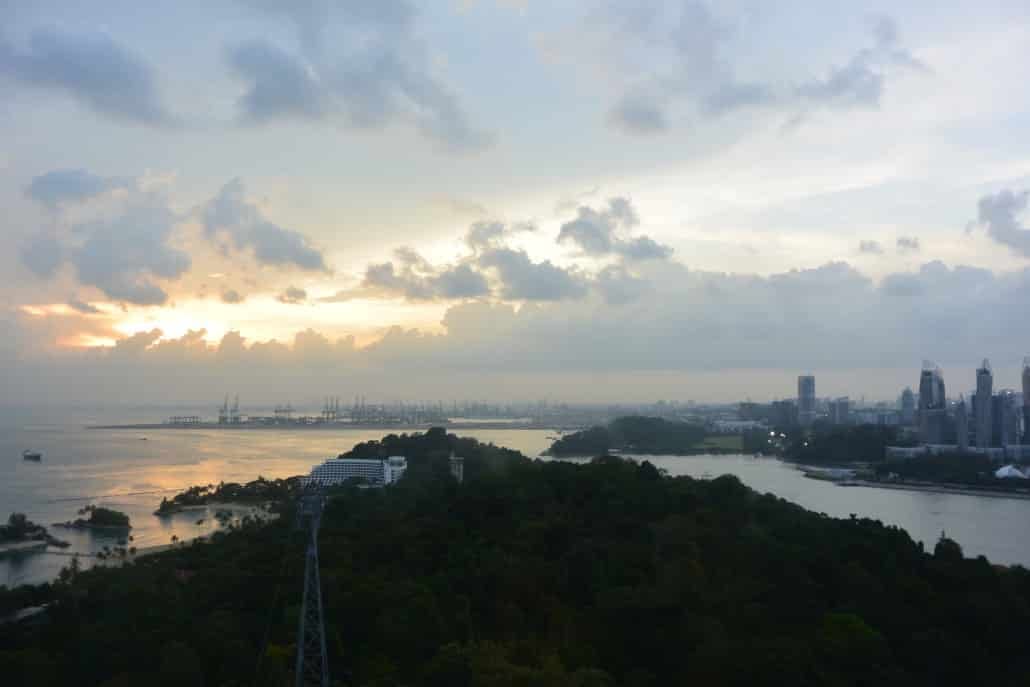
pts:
pixel 648 435
pixel 544 573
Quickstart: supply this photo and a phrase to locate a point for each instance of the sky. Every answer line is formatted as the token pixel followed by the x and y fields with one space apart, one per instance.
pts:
pixel 601 200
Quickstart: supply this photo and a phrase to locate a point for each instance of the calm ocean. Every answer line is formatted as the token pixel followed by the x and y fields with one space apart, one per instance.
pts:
pixel 130 470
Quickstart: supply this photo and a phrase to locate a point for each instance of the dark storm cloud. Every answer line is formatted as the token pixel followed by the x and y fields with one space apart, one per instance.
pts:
pixel 70 185
pixel 999 214
pixel 91 68
pixel 870 247
pixel 380 75
pixel 230 214
pixel 232 297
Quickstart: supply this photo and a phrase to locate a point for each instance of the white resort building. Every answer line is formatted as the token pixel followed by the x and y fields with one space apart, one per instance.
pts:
pixel 371 472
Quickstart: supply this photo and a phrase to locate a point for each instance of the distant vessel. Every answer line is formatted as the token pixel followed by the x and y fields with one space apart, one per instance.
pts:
pixel 32 455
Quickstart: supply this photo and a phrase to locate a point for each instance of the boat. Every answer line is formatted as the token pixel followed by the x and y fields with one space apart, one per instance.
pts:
pixel 32 455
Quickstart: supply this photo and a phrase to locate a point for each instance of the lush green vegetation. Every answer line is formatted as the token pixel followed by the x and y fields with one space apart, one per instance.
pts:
pixel 966 470
pixel 836 445
pixel 260 490
pixel 637 434
pixel 20 528
pixel 541 573
pixel 99 517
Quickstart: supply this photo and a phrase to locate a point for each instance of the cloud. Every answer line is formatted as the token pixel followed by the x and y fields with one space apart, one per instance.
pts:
pixel 69 186
pixel 293 296
pixel 461 282
pixel 594 232
pixel 636 115
pixel 643 248
pixel 122 256
pixel 906 245
pixel 674 61
pixel 43 255
pixel 681 323
pixel 999 214
pixel 870 247
pixel 122 253
pixel 491 234
pixel 91 68
pixel 230 214
pixel 280 85
pixel 232 297
pixel 416 280
pixel 618 287
pixel 523 279
pixel 380 75
pixel 83 307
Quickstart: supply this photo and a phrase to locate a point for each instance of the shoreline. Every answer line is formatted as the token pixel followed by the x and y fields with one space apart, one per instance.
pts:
pixel 296 426
pixel 21 547
pixel 935 487
pixel 260 507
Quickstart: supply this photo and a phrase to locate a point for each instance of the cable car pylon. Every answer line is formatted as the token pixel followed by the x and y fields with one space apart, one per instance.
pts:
pixel 312 663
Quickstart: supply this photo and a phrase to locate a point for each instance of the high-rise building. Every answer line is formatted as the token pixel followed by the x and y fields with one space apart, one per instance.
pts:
pixel 840 411
pixel 982 403
pixel 806 400
pixel 961 425
pixel 1004 419
pixel 783 413
pixel 1026 400
pixel 908 407
pixel 932 404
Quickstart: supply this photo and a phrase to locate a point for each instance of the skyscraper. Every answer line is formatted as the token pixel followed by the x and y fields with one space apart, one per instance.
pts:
pixel 982 404
pixel 1004 419
pixel 961 425
pixel 806 400
pixel 1026 400
pixel 840 411
pixel 932 404
pixel 908 407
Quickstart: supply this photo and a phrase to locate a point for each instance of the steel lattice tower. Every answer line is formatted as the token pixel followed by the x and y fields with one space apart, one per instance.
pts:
pixel 312 664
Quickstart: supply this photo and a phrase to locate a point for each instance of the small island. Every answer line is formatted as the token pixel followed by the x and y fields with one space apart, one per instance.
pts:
pixel 99 519
pixel 21 534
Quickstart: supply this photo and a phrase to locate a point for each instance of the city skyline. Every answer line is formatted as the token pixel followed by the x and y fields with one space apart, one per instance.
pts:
pixel 520 198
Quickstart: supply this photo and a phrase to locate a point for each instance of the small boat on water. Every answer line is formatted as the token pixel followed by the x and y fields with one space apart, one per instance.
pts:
pixel 31 455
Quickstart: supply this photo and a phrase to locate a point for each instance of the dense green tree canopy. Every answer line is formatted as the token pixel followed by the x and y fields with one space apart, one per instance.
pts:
pixel 543 573
pixel 634 434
